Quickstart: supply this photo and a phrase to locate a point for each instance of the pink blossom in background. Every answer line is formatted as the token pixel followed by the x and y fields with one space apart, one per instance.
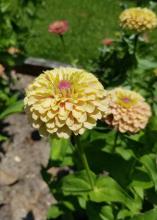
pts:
pixel 107 41
pixel 13 50
pixel 59 27
pixel 2 69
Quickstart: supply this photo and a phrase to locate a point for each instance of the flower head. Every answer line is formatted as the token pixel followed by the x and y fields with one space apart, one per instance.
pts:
pixel 138 19
pixel 2 69
pixel 128 111
pixel 13 50
pixel 64 101
pixel 59 27
pixel 107 41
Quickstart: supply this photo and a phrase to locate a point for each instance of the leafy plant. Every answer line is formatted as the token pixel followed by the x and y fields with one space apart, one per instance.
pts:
pixel 15 26
pixel 9 103
pixel 109 175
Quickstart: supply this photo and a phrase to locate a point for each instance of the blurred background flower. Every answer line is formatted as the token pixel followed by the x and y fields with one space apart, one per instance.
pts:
pixel 59 27
pixel 107 41
pixel 2 69
pixel 128 111
pixel 138 19
pixel 13 50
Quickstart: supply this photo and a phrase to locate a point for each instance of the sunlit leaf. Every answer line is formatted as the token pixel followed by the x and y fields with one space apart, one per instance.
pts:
pixel 76 184
pixel 54 212
pixel 150 215
pixel 59 150
pixel 149 162
pixel 108 190
pixel 14 108
pixel 99 212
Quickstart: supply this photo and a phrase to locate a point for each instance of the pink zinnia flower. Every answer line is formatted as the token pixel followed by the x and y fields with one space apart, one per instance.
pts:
pixel 58 27
pixel 107 41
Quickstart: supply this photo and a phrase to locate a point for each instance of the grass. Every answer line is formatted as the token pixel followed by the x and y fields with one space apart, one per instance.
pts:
pixel 90 21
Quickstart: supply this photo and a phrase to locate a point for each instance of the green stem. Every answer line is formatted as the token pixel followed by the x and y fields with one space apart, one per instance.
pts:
pixel 62 41
pixel 84 161
pixel 115 141
pixel 135 41
pixel 132 168
pixel 139 3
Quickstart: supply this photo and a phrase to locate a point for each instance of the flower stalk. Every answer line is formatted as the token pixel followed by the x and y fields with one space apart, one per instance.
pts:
pixel 115 141
pixel 135 43
pixel 83 157
pixel 62 41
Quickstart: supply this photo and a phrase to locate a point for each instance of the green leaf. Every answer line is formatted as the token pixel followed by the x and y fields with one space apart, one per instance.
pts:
pixel 54 212
pixel 69 205
pixel 82 201
pixel 123 213
pixel 140 182
pixel 150 215
pixel 76 184
pixel 141 179
pixel 98 212
pixel 112 163
pixel 136 137
pixel 14 108
pixel 108 190
pixel 59 148
pixel 127 154
pixel 146 64
pixel 106 213
pixel 3 138
pixel 149 162
pixel 153 123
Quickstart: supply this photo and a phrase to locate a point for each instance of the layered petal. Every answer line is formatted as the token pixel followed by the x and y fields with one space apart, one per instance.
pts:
pixel 138 19
pixel 65 101
pixel 128 111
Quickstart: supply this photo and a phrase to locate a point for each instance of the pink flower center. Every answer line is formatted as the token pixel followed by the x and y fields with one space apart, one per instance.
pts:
pixel 64 84
pixel 126 100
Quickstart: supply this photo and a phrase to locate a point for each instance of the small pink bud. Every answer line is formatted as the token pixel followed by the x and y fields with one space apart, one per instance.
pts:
pixel 107 41
pixel 59 27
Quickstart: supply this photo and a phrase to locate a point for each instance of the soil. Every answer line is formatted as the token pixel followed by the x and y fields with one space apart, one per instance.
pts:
pixel 23 193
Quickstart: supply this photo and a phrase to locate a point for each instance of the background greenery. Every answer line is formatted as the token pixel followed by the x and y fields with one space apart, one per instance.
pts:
pixel 90 21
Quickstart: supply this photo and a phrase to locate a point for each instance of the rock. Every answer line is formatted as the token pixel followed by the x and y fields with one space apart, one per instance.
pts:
pixel 5 213
pixel 23 193
pixel 7 178
pixel 24 155
pixel 30 196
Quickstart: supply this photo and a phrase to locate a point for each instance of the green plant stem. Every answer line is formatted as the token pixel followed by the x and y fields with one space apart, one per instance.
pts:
pixel 132 168
pixel 115 141
pixel 83 157
pixel 62 42
pixel 135 41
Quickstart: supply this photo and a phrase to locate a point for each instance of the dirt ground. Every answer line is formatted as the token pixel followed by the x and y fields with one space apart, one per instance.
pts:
pixel 23 193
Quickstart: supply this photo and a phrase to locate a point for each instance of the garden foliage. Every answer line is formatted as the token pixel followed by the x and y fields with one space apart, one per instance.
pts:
pixel 122 181
pixel 16 20
pixel 102 174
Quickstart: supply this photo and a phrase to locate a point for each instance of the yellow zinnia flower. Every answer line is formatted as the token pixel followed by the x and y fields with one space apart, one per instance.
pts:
pixel 64 101
pixel 138 19
pixel 128 111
